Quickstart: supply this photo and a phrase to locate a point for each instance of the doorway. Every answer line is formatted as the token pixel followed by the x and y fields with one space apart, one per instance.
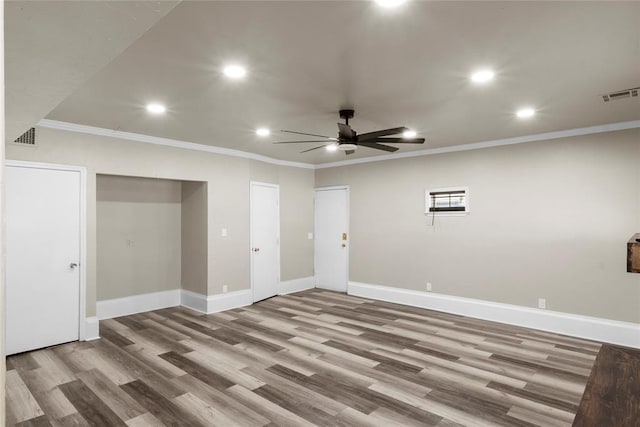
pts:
pixel 44 220
pixel 332 238
pixel 265 240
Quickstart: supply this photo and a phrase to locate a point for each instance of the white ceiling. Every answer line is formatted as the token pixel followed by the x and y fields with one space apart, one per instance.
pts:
pixel 52 48
pixel 409 66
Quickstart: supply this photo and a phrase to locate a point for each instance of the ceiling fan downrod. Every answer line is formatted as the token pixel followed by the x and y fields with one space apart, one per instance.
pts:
pixel 346 115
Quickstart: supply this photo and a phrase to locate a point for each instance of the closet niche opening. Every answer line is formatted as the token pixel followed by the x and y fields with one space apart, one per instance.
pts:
pixel 151 243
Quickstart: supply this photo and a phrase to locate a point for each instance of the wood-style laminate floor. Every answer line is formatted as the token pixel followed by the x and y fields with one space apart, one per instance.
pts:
pixel 311 358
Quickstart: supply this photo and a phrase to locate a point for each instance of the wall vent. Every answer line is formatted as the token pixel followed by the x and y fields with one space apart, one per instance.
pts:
pixel 27 138
pixel 621 94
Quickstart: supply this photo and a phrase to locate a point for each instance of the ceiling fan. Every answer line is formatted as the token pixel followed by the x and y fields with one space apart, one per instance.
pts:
pixel 348 140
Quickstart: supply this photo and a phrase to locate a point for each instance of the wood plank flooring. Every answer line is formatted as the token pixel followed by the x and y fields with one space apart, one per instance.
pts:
pixel 612 397
pixel 311 358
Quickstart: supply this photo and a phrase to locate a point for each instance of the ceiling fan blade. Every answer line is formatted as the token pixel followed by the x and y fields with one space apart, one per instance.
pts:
pixel 378 146
pixel 314 148
pixel 345 131
pixel 379 133
pixel 347 152
pixel 298 142
pixel 308 134
pixel 397 140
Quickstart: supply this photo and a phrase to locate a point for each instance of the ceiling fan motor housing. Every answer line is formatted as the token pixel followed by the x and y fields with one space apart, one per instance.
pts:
pixel 347 114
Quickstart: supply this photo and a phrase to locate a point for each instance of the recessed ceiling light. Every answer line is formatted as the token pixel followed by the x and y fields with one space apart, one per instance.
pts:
pixel 234 71
pixel 525 113
pixel 332 147
pixel 482 76
pixel 390 3
pixel 263 132
pixel 156 108
pixel 409 134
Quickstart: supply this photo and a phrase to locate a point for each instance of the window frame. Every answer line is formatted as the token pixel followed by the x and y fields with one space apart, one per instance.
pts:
pixel 467 205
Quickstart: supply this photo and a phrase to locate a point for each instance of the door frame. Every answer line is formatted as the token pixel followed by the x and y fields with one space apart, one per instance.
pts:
pixel 82 262
pixel 348 215
pixel 277 187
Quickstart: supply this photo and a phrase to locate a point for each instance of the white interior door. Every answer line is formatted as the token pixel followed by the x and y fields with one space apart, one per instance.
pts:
pixel 265 240
pixel 332 238
pixel 42 223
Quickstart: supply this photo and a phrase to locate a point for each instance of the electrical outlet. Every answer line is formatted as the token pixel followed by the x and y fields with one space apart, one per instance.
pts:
pixel 429 289
pixel 542 303
pixel 225 289
pixel 130 242
pixel 310 236
pixel 223 232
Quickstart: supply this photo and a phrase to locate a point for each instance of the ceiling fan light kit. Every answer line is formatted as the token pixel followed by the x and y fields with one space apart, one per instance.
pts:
pixel 347 146
pixel 348 139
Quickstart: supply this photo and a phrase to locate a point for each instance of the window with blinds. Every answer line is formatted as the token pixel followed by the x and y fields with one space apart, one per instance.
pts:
pixel 448 200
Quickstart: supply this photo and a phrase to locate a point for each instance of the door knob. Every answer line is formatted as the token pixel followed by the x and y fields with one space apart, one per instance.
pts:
pixel 73 265
pixel 256 249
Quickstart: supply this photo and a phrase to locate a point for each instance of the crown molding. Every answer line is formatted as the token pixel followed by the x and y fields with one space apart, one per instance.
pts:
pixel 73 127
pixel 493 143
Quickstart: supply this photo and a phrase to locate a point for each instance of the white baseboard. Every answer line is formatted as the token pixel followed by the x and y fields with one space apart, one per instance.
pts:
pixel 221 302
pixel 296 285
pixel 91 329
pixel 215 303
pixel 194 301
pixel 593 328
pixel 117 307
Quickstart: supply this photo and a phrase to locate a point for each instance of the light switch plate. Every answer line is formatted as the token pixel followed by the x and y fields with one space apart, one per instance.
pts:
pixel 223 232
pixel 310 236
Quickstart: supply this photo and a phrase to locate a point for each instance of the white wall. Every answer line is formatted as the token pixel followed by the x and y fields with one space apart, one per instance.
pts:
pixel 548 219
pixel 2 137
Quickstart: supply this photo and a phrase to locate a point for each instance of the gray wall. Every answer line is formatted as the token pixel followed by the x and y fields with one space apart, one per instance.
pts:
pixel 227 181
pixel 138 230
pixel 296 207
pixel 548 219
pixel 194 236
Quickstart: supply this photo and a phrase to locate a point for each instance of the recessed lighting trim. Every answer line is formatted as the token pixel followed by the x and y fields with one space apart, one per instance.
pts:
pixel 235 71
pixel 390 3
pixel 263 132
pixel 482 76
pixel 156 108
pixel 408 134
pixel 332 147
pixel 525 113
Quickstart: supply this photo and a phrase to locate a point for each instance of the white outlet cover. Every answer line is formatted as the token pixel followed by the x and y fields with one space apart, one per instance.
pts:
pixel 429 288
pixel 225 289
pixel 542 303
pixel 310 236
pixel 223 232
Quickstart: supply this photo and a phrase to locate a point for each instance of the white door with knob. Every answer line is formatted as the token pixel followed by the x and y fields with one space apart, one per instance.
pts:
pixel 265 240
pixel 42 223
pixel 332 238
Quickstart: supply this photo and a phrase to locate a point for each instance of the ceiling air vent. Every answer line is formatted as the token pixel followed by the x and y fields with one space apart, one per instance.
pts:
pixel 621 94
pixel 27 138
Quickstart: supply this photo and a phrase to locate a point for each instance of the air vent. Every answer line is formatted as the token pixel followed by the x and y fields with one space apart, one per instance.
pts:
pixel 621 94
pixel 27 138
